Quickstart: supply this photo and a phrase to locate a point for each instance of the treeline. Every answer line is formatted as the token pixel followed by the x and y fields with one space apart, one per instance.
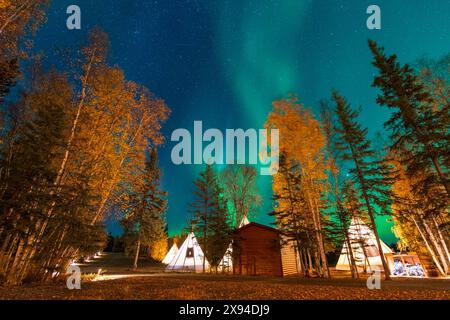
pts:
pixel 331 172
pixel 74 143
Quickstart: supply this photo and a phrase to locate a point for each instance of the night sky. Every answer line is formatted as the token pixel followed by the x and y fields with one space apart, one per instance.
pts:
pixel 224 62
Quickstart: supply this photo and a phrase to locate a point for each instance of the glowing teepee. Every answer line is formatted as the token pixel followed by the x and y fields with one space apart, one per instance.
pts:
pixel 189 258
pixel 244 222
pixel 171 254
pixel 226 264
pixel 364 248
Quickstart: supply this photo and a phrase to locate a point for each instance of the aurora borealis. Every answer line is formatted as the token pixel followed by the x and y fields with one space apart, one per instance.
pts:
pixel 224 62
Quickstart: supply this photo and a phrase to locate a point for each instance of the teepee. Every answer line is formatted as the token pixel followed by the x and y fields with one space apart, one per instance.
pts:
pixel 171 254
pixel 226 264
pixel 189 258
pixel 364 247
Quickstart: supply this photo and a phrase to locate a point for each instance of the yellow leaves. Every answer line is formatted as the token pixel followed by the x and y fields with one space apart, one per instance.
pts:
pixel 118 121
pixel 4 4
pixel 16 19
pixel 301 138
pixel 402 185
pixel 158 249
pixel 302 143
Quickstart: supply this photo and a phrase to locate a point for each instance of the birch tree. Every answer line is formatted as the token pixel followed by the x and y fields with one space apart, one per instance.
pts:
pixel 303 142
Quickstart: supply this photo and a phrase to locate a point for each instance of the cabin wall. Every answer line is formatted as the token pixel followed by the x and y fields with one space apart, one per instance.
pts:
pixel 289 257
pixel 259 253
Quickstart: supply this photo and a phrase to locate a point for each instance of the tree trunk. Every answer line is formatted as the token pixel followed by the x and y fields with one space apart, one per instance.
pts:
pixel 436 245
pixel 136 255
pixel 441 238
pixel 387 273
pixel 41 230
pixel 300 260
pixel 441 174
pixel 111 187
pixel 15 15
pixel 322 259
pixel 350 257
pixel 430 250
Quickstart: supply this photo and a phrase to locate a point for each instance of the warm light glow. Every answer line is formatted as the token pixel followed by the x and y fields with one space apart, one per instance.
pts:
pixel 120 276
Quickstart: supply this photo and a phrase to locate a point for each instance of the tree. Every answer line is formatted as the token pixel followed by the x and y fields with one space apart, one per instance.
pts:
pixel 27 170
pixel 353 208
pixel 419 123
pixel 337 193
pixel 159 249
pixel 419 219
pixel 95 133
pixel 303 144
pixel 210 216
pixel 9 71
pixel 144 221
pixel 17 15
pixel 371 176
pixel 239 182
pixel 288 211
pixel 18 19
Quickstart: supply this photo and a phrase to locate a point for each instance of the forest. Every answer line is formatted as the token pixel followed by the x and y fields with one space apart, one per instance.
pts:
pixel 79 143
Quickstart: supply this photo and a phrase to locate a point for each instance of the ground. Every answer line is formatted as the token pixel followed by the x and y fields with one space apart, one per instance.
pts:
pixel 149 282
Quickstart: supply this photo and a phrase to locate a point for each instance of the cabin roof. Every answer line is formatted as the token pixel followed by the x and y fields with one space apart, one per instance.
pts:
pixel 260 226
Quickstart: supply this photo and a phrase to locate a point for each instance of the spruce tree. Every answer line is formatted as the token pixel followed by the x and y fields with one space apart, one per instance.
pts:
pixel 336 197
pixel 219 227
pixel 371 176
pixel 145 223
pixel 210 216
pixel 418 128
pixel 288 210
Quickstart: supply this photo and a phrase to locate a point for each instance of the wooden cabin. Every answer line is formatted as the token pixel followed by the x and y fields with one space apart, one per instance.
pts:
pixel 261 250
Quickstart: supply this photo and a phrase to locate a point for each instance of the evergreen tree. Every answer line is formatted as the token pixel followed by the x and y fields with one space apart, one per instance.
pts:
pixel 419 123
pixel 372 177
pixel 355 209
pixel 335 196
pixel 28 170
pixel 220 229
pixel 210 216
pixel 288 210
pixel 145 221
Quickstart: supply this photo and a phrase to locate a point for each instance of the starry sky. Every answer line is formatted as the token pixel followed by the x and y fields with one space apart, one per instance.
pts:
pixel 224 62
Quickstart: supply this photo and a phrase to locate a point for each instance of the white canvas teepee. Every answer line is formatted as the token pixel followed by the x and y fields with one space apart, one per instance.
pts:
pixel 244 222
pixel 189 258
pixel 226 264
pixel 364 248
pixel 171 254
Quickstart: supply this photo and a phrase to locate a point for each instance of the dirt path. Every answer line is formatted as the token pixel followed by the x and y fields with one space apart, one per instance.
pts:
pixel 119 264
